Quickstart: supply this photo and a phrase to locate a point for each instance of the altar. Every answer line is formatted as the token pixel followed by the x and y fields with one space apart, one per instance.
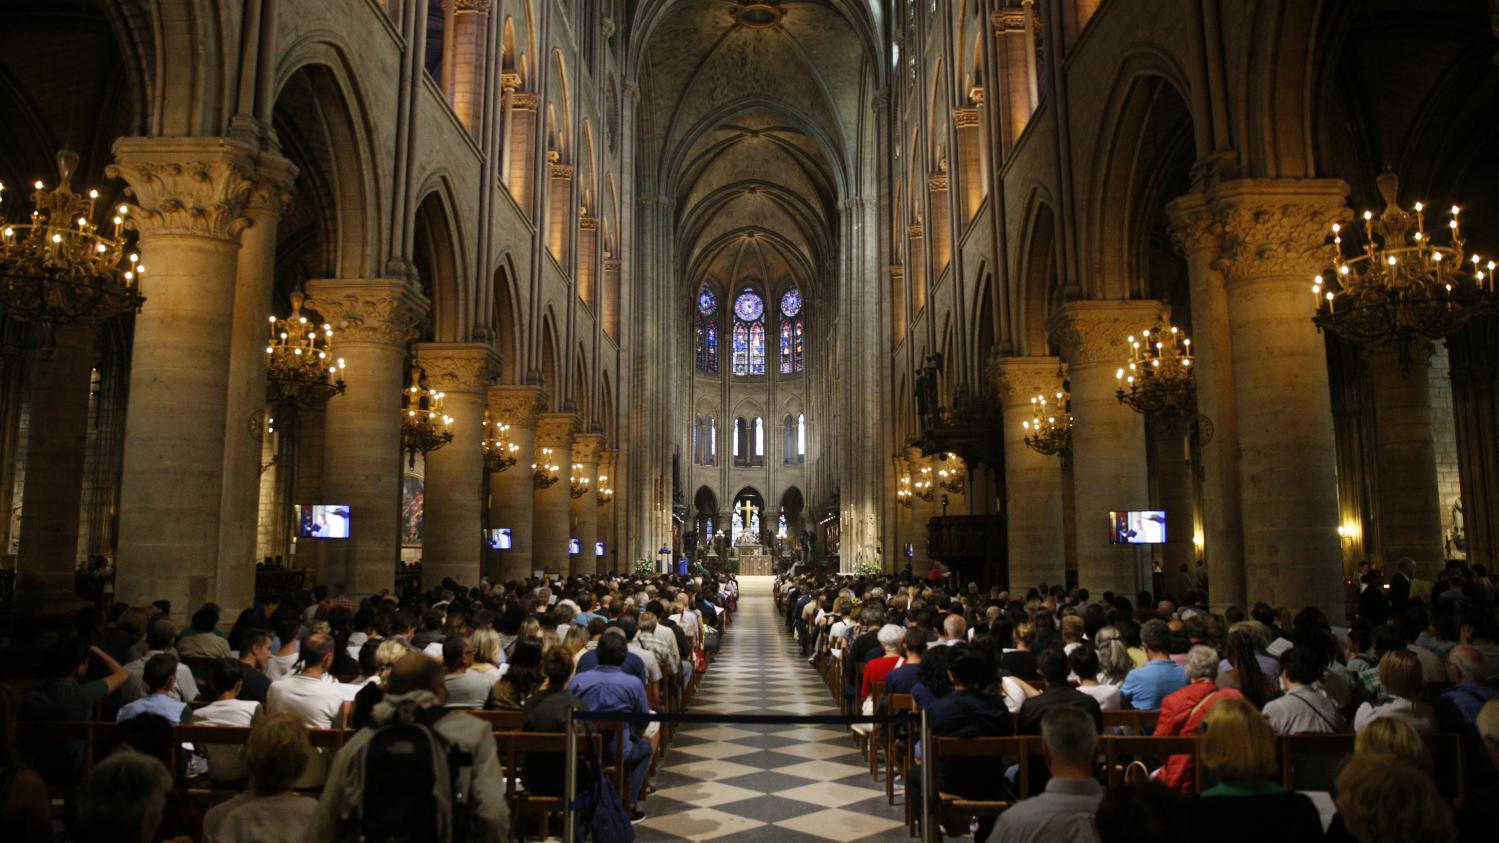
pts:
pixel 746 548
pixel 756 565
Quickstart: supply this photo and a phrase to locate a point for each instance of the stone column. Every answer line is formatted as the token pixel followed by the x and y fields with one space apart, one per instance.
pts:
pixel 245 416
pixel 552 519
pixel 53 485
pixel 585 510
pixel 588 245
pixel 941 225
pixel 608 531
pixel 523 106
pixel 611 297
pixel 373 320
pixel 1410 509
pixel 190 197
pixel 921 512
pixel 1193 228
pixel 1017 70
pixel 970 162
pixel 511 492
pixel 560 216
pixel 1108 438
pixel 1033 481
pixel 916 266
pixel 1273 232
pixel 465 86
pixel 454 500
pixel 1172 477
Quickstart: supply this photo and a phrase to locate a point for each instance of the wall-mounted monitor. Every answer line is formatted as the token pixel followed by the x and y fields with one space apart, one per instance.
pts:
pixel 498 538
pixel 1142 527
pixel 598 548
pixel 322 521
pixel 574 547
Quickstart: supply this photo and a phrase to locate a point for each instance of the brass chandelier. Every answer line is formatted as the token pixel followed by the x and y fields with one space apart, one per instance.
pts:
pixel 1403 287
pixel 300 367
pixel 58 267
pixel 606 492
pixel 544 474
pixel 499 452
pixel 903 492
pixel 951 476
pixel 577 482
pixel 424 427
pixel 924 488
pixel 1159 380
pixel 1049 430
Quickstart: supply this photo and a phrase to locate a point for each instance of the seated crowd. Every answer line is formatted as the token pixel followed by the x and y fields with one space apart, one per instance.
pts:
pixel 1053 662
pixel 318 663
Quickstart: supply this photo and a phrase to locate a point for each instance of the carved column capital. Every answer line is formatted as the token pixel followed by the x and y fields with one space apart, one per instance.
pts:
pixel 936 181
pixel 459 366
pixel 518 405
pixel 967 118
pixel 588 447
pixel 195 187
pixel 1192 225
pixel 914 231
pixel 588 223
pixel 1017 380
pixel 1275 227
pixel 1093 333
pixel 525 101
pixel 371 311
pixel 561 171
pixel 272 190
pixel 611 265
pixel 556 430
pixel 510 82
pixel 474 6
pixel 897 271
pixel 1009 20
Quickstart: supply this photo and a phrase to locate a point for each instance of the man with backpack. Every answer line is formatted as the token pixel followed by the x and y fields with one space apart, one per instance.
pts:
pixel 417 773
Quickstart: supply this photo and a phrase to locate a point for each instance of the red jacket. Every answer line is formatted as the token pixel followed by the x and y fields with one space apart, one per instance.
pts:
pixel 876 671
pixel 1182 713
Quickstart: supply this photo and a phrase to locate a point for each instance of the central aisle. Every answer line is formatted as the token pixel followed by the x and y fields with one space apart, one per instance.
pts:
pixel 724 782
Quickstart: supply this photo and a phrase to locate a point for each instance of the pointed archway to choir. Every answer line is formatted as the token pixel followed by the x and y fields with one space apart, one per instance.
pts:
pixel 705 521
pixel 742 519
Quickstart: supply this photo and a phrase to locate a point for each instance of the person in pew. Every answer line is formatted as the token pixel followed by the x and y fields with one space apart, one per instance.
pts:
pixel 204 641
pixel 521 679
pixel 123 800
pixel 1479 816
pixel 967 712
pixel 878 669
pixel 313 696
pixel 160 638
pixel 25 808
pixel 466 689
pixel 546 711
pixel 276 755
pixel 160 677
pixel 1065 810
pixel 1083 660
pixel 155 736
pixel 1244 804
pixel 1053 666
pixel 67 697
pixel 1381 800
pixel 1400 677
pixel 607 688
pixel 1146 686
pixel 1183 712
pixel 1143 812
pixel 226 762
pixel 253 658
pixel 903 679
pixel 1457 707
pixel 1385 741
pixel 1302 709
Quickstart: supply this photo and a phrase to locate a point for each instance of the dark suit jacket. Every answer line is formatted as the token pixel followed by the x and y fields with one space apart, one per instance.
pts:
pixel 964 714
pixel 1033 709
pixel 1400 592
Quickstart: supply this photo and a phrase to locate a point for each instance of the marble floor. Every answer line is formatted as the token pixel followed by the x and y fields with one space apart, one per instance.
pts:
pixel 756 782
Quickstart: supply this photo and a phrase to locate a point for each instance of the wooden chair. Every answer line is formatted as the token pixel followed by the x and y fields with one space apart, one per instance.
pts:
pixel 998 749
pixel 613 732
pixel 876 731
pixel 898 745
pixel 499 721
pixel 1121 747
pixel 1131 722
pixel 513 747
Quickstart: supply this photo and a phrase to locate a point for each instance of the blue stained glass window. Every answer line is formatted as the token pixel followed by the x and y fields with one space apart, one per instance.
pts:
pixel 749 334
pixel 748 306
pixel 741 349
pixel 791 303
pixel 706 301
pixel 793 360
pixel 707 332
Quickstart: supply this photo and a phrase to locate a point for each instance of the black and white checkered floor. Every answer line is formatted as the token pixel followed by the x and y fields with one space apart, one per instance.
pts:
pixel 753 782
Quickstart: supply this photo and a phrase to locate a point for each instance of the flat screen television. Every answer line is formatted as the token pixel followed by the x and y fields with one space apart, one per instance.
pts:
pixel 598 548
pixel 323 521
pixel 574 547
pixel 1142 527
pixel 498 538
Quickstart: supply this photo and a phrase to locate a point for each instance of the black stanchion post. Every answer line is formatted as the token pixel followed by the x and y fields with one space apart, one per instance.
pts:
pixel 570 780
pixel 928 781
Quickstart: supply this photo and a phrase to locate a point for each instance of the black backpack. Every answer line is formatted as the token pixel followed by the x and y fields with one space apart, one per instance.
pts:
pixel 400 781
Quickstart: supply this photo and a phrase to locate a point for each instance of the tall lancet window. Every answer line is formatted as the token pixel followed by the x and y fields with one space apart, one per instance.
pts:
pixel 793 355
pixel 749 334
pixel 707 332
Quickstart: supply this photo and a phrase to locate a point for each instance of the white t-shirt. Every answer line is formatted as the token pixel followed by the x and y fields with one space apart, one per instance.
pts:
pixel 688 622
pixel 277 667
pixel 251 819
pixel 316 701
pixel 1107 695
pixel 226 762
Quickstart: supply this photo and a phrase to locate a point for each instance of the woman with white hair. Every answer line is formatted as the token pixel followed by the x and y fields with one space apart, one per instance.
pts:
pixel 890 635
pixel 1183 711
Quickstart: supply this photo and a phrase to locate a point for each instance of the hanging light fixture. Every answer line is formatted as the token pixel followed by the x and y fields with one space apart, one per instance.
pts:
pixel 923 487
pixel 1049 430
pixel 950 476
pixel 606 492
pixel 577 482
pixel 903 491
pixel 544 474
pixel 1159 379
pixel 300 367
pixel 424 427
pixel 1403 287
pixel 57 267
pixel 499 452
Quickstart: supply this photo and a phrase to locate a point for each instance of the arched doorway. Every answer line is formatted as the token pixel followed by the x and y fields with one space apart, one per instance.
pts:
pixel 705 520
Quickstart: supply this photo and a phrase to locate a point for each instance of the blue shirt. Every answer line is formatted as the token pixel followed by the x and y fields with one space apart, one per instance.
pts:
pixel 902 679
pixel 607 688
pixel 159 704
pixel 1145 687
pixel 633 665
